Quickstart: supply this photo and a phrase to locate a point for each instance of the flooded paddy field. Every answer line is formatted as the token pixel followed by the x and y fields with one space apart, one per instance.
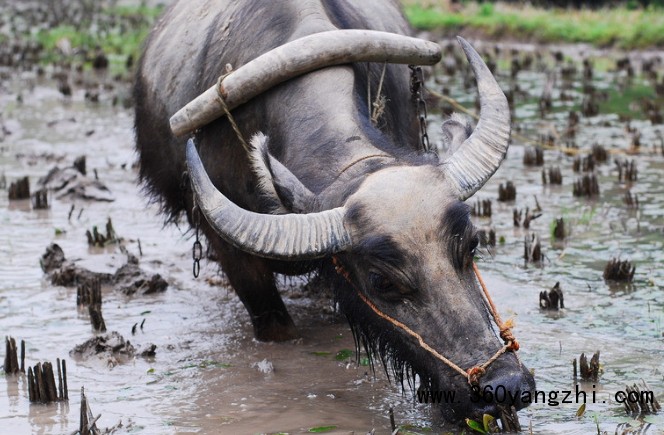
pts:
pixel 208 375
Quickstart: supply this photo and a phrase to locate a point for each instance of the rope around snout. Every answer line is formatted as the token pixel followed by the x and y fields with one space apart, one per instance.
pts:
pixel 472 374
pixel 504 327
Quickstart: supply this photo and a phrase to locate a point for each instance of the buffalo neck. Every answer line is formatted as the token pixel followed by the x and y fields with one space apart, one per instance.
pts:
pixel 328 140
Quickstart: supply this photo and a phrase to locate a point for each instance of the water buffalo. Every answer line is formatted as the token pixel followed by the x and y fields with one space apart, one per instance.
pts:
pixel 325 187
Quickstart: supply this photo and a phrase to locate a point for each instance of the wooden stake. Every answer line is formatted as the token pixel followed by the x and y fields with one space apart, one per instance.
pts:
pixel 20 189
pixel 87 424
pixel 49 382
pixel 61 394
pixel 39 387
pixel 23 356
pixel 83 416
pixel 64 380
pixel 42 387
pixel 96 318
pixel 509 419
pixel 11 359
pixel 31 386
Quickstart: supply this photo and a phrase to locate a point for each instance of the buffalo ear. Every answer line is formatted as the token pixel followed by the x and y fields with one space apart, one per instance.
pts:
pixel 455 131
pixel 277 182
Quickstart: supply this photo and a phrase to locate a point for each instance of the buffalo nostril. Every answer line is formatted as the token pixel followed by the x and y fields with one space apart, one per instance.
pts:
pixel 507 389
pixel 506 384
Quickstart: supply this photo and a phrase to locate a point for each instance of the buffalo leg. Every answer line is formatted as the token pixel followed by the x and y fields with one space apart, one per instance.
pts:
pixel 254 283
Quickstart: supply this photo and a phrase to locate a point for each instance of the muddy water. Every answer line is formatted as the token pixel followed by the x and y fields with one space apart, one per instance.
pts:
pixel 210 376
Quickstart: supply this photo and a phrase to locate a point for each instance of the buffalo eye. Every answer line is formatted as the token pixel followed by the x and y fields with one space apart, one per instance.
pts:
pixel 380 282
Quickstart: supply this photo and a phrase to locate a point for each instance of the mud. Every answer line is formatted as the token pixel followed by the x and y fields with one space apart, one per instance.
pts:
pixel 128 279
pixel 71 183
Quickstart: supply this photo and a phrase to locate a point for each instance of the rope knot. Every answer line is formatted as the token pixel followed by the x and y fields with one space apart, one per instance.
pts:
pixel 507 335
pixel 513 346
pixel 474 375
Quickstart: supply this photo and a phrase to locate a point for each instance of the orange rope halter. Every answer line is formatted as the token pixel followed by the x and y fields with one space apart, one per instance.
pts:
pixel 473 374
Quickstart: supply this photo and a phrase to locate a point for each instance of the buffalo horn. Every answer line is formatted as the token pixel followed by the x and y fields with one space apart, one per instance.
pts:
pixel 298 57
pixel 479 156
pixel 281 237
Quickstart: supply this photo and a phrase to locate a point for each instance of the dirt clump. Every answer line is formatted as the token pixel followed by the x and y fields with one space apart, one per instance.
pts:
pixel 128 279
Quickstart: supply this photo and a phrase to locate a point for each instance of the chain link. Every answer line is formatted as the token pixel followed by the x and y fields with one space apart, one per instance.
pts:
pixel 417 90
pixel 197 248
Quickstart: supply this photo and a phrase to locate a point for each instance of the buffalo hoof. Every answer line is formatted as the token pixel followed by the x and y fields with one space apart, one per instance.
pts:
pixel 275 327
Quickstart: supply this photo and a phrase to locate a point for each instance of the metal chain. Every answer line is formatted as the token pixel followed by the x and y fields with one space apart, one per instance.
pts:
pixel 197 248
pixel 417 89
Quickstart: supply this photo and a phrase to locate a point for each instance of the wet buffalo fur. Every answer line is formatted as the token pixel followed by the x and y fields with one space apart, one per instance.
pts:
pixel 377 338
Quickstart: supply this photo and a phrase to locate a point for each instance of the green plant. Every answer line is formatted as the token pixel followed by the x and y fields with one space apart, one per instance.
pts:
pixel 321 429
pixel 344 354
pixel 621 26
pixel 632 5
pixel 119 35
pixel 486 10
pixel 485 427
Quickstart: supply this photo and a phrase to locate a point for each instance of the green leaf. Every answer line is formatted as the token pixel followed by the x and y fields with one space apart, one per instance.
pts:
pixel 581 410
pixel 145 312
pixel 475 426
pixel 320 429
pixel 211 363
pixel 487 420
pixel 321 353
pixel 364 361
pixel 150 371
pixel 343 354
